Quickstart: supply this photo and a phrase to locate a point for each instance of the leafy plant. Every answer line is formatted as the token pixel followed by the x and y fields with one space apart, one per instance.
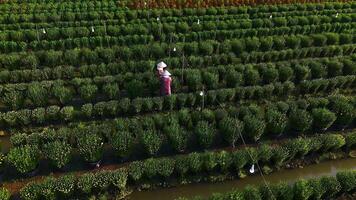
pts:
pixel 231 129
pixel 25 159
pixel 276 122
pixel 90 146
pixel 151 141
pixel 58 153
pixel 88 91
pixel 205 134
pixel 4 194
pixel 177 136
pixel 323 118
pixel 253 127
pixel 300 120
pixel 123 143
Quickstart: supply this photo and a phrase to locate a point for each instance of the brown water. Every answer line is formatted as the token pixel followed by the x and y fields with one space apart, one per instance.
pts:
pixel 207 189
pixel 5 144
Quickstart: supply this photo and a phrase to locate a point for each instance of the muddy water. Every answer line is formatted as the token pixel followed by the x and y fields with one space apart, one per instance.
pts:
pixel 5 144
pixel 207 189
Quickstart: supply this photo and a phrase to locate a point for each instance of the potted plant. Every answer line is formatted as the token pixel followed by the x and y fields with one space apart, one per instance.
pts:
pixel 25 159
pixel 91 148
pixel 58 153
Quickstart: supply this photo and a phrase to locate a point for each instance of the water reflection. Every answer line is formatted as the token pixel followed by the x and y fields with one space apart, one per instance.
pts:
pixel 206 189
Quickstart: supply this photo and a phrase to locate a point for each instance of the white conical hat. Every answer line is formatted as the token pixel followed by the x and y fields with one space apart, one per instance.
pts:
pixel 161 65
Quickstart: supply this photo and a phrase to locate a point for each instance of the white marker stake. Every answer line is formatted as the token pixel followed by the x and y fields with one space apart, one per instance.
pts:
pixel 92 29
pixel 43 31
pixel 198 21
pixel 270 16
pixel 174 49
pixel 201 93
pixel 252 169
pixel 157 18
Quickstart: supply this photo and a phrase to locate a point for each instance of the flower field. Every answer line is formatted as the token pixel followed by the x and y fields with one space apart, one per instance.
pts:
pixel 265 83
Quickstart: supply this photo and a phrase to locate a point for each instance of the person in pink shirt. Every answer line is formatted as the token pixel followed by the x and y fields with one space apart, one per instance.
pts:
pixel 165 79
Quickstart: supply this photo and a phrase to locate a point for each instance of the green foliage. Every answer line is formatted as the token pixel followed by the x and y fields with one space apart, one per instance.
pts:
pixel 253 127
pixel 231 129
pixel 205 134
pixel 302 190
pixel 111 90
pixel 135 88
pixel 177 136
pixel 88 92
pixel 63 94
pixel 347 180
pixel 151 141
pixel 322 118
pixel 90 146
pixel 59 153
pixel 300 120
pixel 4 194
pixel 37 93
pixel 276 122
pixel 25 159
pixel 123 143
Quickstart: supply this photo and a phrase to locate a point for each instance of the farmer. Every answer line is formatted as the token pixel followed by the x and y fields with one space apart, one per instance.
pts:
pixel 164 79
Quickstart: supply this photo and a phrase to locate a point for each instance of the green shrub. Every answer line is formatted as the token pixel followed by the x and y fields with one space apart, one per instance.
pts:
pixel 165 167
pixel 331 186
pixel 237 46
pixel 233 78
pixel 253 127
pixel 63 94
pixel 58 153
pixel 205 134
pixel 135 170
pixel 25 159
pixel 86 182
pixel 302 190
pixel 65 184
pixel 251 76
pixel 280 155
pixel 252 44
pixel 302 72
pixel 151 141
pixel 317 70
pixel 195 162
pixel 67 113
pixel 135 89
pixel 37 94
pixel 13 99
pixel 347 180
pixel 211 80
pixel 88 92
pixel 276 122
pixel 231 129
pixel 334 68
pixel 269 74
pixel 345 112
pixel 87 110
pixel 322 118
pixel 351 140
pixel 151 168
pixel 38 115
pixel 111 90
pixel 251 193
pixel 177 136
pixel 194 80
pixel 181 165
pixel 90 146
pixel 123 143
pixel 349 67
pixel 206 48
pixel 285 73
pixel 284 191
pixel 319 39
pixel 300 120
pixel 332 142
pixel 4 194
